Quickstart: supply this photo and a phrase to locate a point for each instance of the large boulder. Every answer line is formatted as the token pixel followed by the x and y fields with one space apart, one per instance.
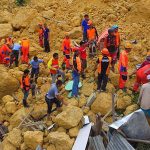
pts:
pixel 102 104
pixel 11 107
pixel 131 109
pixel 75 33
pixel 5 16
pixel 23 18
pixel 70 117
pixel 7 99
pixel 15 137
pixel 16 118
pixel 6 30
pixel 61 140
pixel 33 138
pixel 8 84
pixel 48 14
pixel 124 102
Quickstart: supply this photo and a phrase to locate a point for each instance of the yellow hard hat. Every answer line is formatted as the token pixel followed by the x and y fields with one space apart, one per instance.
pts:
pixel 19 42
pixel 128 45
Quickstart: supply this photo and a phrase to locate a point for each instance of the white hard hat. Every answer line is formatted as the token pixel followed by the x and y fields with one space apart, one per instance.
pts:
pixel 148 77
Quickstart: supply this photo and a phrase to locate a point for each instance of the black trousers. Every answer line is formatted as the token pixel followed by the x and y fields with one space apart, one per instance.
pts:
pixel 14 58
pixel 46 45
pixel 85 38
pixel 102 81
pixel 50 103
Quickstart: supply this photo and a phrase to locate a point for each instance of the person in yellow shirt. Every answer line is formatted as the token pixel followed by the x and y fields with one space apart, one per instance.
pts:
pixel 54 67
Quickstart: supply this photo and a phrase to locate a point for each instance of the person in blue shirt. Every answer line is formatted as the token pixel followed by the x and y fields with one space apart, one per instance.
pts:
pixel 15 53
pixel 35 63
pixel 53 97
pixel 46 38
pixel 85 27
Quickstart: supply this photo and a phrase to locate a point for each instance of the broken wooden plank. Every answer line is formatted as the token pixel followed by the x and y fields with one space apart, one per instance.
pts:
pixel 91 99
pixel 138 141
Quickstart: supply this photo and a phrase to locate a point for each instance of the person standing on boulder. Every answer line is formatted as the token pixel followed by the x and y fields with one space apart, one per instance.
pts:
pixel 104 63
pixel 54 66
pixel 85 27
pixel 35 62
pixel 53 97
pixel 15 53
pixel 25 44
pixel 110 43
pixel 66 47
pixel 41 34
pixel 76 73
pixel 25 86
pixel 46 38
pixel 144 98
pixel 123 65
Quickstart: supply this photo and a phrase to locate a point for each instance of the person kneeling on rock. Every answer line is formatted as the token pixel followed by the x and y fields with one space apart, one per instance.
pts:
pixel 53 96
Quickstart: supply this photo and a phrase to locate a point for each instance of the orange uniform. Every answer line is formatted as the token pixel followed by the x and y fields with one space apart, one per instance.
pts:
pixel 117 34
pixel 25 83
pixel 66 46
pixel 123 66
pixel 25 50
pixel 141 76
pixel 91 34
pixel 4 53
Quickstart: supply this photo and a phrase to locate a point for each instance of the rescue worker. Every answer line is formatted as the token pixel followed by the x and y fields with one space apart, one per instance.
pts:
pixel 66 47
pixel 123 65
pixel 76 73
pixel 144 98
pixel 117 34
pixel 35 62
pixel 53 97
pixel 25 86
pixel 104 63
pixel 41 35
pixel 111 44
pixel 54 67
pixel 15 53
pixel 141 77
pixel 92 38
pixel 5 52
pixel 83 56
pixel 46 38
pixel 25 45
pixel 85 27
pixel 147 61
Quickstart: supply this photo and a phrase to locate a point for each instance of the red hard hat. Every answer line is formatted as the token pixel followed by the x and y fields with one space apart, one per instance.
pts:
pixel 105 51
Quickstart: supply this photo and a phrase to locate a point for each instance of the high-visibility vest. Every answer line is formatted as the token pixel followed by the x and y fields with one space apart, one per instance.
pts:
pixel 25 83
pixel 76 63
pixel 91 33
pixel 99 69
pixel 117 38
pixel 55 64
pixel 25 43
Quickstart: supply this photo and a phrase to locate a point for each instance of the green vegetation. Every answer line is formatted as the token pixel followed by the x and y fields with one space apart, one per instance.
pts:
pixel 135 98
pixel 20 2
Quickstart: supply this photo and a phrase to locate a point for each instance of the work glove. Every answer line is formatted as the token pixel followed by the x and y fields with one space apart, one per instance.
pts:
pixel 124 77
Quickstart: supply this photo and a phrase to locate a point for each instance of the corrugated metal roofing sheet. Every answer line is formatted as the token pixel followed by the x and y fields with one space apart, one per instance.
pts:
pixel 118 142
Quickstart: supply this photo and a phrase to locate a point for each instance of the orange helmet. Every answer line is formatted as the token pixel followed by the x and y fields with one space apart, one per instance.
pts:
pixel 105 51
pixel 90 22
